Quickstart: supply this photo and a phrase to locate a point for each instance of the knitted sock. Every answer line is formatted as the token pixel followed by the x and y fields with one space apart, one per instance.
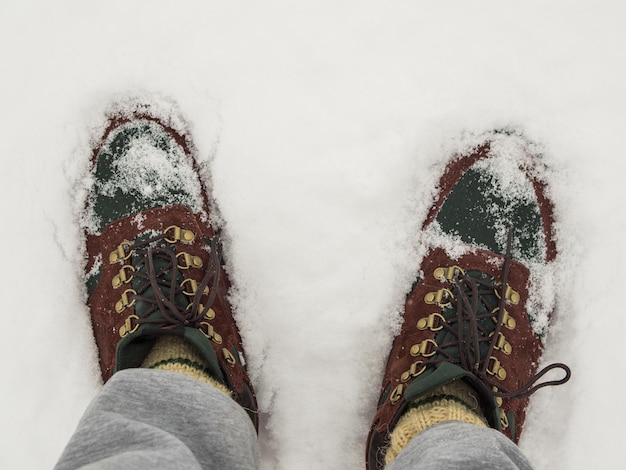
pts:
pixel 455 401
pixel 174 354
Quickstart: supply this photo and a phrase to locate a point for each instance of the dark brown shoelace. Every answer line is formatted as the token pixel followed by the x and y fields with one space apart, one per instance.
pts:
pixel 158 266
pixel 474 337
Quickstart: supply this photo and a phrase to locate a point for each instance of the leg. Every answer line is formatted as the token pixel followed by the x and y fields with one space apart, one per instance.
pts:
pixel 453 445
pixel 150 419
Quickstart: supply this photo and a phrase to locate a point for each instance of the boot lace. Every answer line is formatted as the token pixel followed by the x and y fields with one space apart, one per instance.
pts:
pixel 473 329
pixel 158 283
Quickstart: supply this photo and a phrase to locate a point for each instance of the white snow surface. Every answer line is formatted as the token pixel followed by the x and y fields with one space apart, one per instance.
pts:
pixel 325 126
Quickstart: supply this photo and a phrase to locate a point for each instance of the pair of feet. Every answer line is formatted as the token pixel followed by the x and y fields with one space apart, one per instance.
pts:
pixel 155 270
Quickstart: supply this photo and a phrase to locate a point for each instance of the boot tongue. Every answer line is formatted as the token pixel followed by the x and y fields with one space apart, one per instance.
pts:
pixel 446 373
pixel 134 347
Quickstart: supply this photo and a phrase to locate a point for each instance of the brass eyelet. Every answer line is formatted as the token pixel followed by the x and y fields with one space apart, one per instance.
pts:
pixel 507 320
pixel 119 254
pixel 437 297
pixel 211 333
pixel 125 301
pixel 448 273
pixel 228 357
pixel 396 394
pixel 502 344
pixel 510 295
pixel 413 371
pixel 496 369
pixel 193 287
pixel 428 323
pixel 123 277
pixel 209 314
pixel 191 261
pixel 128 327
pixel 504 420
pixel 179 234
pixel 498 399
pixel 426 348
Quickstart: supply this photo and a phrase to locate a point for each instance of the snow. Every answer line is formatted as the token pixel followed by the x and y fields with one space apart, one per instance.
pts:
pixel 325 126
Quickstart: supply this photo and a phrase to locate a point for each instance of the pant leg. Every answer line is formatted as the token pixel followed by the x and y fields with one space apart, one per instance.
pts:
pixel 149 419
pixel 459 446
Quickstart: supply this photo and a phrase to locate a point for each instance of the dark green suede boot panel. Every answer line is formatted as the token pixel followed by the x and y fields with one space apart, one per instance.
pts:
pixel 131 174
pixel 478 212
pixel 92 279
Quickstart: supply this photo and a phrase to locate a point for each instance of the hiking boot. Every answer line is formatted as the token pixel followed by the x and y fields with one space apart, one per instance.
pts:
pixel 154 263
pixel 472 328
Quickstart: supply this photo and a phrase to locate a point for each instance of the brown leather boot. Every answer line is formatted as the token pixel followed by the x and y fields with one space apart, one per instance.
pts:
pixel 154 263
pixel 472 328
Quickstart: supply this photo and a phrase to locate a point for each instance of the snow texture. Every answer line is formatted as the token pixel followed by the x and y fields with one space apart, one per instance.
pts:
pixel 322 127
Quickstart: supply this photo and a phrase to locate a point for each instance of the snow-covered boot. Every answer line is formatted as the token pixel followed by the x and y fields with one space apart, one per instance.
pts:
pixel 470 343
pixel 157 288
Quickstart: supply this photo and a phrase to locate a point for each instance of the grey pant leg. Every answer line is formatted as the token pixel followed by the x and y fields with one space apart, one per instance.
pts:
pixel 454 445
pixel 148 419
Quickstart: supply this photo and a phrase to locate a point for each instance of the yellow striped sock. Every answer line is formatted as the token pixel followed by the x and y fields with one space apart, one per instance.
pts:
pixel 174 354
pixel 455 401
